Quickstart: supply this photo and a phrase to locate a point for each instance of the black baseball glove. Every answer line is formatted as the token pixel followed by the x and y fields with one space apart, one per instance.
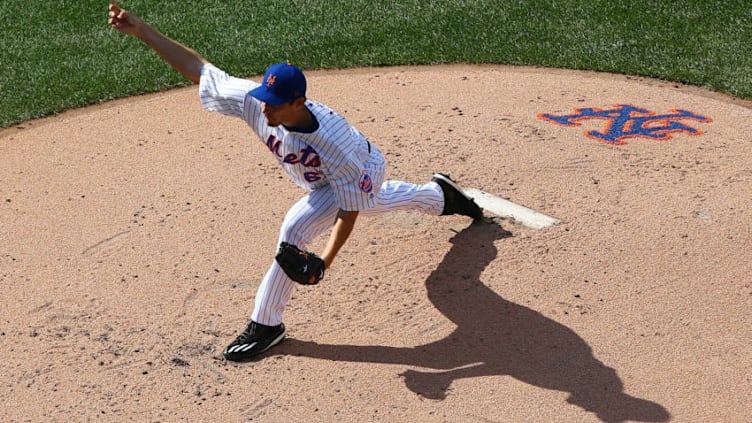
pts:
pixel 304 267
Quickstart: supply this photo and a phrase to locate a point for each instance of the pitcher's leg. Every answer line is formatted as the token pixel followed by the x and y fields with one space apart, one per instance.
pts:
pixel 440 196
pixel 399 195
pixel 307 219
pixel 272 296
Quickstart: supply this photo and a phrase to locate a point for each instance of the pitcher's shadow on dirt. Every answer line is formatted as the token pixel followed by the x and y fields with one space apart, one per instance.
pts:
pixel 495 337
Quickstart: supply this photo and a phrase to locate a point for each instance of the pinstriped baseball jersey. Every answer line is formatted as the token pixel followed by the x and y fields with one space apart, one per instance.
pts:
pixel 335 154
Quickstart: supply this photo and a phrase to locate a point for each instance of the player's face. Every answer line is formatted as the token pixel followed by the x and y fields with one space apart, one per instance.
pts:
pixel 281 114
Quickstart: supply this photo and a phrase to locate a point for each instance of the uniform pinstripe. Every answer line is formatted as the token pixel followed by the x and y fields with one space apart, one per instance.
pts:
pixel 337 164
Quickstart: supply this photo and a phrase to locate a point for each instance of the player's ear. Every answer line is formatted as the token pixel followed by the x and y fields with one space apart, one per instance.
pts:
pixel 298 102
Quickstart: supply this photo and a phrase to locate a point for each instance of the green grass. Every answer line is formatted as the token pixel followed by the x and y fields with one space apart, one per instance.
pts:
pixel 61 54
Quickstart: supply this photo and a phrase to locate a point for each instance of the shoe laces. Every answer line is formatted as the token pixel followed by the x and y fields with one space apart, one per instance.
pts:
pixel 249 330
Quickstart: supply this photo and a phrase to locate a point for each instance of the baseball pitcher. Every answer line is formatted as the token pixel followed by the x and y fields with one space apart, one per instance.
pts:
pixel 340 169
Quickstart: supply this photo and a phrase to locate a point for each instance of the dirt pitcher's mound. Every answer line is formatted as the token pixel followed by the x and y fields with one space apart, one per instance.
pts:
pixel 134 235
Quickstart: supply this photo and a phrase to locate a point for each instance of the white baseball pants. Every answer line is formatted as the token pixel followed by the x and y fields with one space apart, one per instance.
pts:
pixel 316 213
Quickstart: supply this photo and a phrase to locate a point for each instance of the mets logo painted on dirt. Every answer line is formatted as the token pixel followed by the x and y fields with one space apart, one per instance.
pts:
pixel 625 121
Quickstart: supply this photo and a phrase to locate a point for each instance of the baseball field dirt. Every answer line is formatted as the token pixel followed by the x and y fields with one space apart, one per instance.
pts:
pixel 134 235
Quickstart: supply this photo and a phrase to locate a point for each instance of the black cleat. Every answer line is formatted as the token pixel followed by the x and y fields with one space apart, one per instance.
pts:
pixel 455 200
pixel 255 339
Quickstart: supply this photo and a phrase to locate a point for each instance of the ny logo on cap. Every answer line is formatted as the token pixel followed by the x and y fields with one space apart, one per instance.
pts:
pixel 271 80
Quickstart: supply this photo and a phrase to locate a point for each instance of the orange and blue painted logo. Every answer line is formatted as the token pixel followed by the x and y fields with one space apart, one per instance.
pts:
pixel 625 121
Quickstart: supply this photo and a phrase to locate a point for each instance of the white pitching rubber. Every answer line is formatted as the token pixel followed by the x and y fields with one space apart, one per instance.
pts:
pixel 505 208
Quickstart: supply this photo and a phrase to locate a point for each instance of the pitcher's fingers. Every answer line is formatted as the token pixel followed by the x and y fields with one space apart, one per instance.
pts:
pixel 115 10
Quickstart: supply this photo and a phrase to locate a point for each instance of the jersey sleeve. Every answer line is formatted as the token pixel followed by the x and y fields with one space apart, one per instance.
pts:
pixel 219 92
pixel 357 177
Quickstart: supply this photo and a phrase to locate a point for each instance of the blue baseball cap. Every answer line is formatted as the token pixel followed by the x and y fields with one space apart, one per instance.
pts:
pixel 283 82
